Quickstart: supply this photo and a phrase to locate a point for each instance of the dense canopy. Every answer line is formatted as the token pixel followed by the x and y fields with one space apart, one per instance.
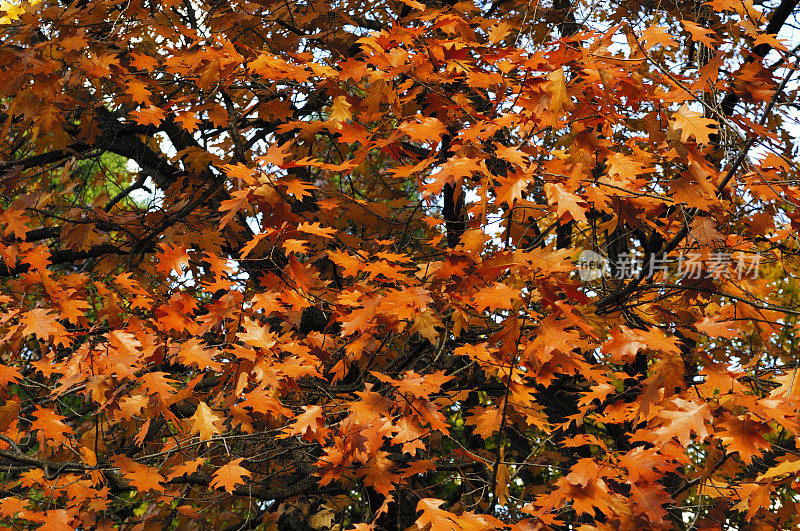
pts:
pixel 293 264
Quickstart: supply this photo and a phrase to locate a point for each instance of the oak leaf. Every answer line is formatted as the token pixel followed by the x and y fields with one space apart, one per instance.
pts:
pixel 44 325
pixel 142 477
pixel 228 476
pixel 715 328
pixel 699 33
pixel 317 230
pixel 340 110
pixel 566 202
pixel 310 425
pixel 704 231
pixel 743 436
pixel 790 465
pixel 150 115
pixel 434 518
pixel 424 129
pixel 485 419
pixel 658 36
pixel 692 124
pixel 298 188
pixel 690 416
pixel 205 422
pixel 139 92
pixel 187 468
pixel 192 352
pixel 9 374
pixel 51 425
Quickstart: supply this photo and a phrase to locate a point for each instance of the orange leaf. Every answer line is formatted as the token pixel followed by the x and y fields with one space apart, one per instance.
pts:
pixel 340 110
pixel 187 468
pixel 150 115
pixel 566 202
pixel 715 328
pixel 692 124
pixel 138 92
pixel 310 425
pixel 239 199
pixel 486 420
pixel 230 475
pixel 142 477
pixel 690 416
pixel 657 35
pixel 51 425
pixel 438 519
pixel 424 129
pixel 298 188
pixel 172 258
pixel 743 436
pixel 44 325
pixel 699 33
pixel 204 421
pixel 316 229
pixel 704 231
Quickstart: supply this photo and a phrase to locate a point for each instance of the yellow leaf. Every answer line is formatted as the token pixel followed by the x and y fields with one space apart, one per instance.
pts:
pixel 414 4
pixel 556 88
pixel 786 467
pixel 340 110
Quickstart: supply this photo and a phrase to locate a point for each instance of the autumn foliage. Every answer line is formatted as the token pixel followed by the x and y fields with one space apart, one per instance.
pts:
pixel 307 265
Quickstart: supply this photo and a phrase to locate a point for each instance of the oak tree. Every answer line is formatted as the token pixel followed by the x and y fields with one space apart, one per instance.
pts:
pixel 435 264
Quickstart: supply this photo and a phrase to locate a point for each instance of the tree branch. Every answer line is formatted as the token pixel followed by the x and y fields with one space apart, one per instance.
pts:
pixel 776 21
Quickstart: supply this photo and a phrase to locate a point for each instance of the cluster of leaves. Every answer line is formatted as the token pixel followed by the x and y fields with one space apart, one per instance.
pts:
pixel 311 265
